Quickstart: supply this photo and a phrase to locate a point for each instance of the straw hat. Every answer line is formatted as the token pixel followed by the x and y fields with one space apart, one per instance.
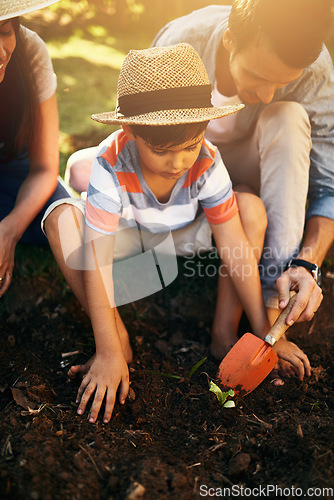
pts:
pixel 163 86
pixel 14 8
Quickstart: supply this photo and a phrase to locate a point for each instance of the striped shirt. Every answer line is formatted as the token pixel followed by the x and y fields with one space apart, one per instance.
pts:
pixel 117 190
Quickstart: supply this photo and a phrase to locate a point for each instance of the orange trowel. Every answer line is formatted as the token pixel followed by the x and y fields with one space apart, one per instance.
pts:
pixel 251 359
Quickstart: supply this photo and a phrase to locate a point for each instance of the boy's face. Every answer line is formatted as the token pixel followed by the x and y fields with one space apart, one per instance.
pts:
pixel 257 71
pixel 169 163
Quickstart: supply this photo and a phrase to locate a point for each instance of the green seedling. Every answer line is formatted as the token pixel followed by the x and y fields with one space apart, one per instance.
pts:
pixel 166 375
pixel 222 396
pixel 316 405
pixel 195 367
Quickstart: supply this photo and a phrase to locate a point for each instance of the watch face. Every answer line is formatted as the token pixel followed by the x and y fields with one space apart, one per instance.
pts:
pixel 316 273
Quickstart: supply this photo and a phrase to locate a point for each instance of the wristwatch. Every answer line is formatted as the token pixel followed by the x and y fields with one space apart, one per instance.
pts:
pixel 313 268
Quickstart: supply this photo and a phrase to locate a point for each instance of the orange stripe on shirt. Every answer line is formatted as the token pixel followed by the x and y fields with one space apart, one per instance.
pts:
pixel 223 212
pixel 130 181
pixel 212 149
pixel 115 148
pixel 100 218
pixel 198 169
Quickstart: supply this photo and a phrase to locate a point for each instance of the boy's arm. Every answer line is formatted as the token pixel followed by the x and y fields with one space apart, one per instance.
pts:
pixel 238 257
pixel 237 254
pixel 109 369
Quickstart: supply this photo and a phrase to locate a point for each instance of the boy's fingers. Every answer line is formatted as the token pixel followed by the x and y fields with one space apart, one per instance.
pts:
pixel 124 390
pixel 300 368
pixel 299 362
pixel 297 366
pixel 81 390
pixel 286 369
pixel 85 397
pixel 96 405
pixel 110 403
pixel 302 365
pixel 292 371
pixel 307 364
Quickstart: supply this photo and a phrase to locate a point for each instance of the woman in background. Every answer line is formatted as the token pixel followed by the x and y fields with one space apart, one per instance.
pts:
pixel 29 155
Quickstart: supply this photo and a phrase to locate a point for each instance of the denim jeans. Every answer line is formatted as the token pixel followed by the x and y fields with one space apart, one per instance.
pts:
pixel 12 174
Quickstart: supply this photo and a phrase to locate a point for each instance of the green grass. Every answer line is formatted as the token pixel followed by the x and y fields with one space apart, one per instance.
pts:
pixel 87 65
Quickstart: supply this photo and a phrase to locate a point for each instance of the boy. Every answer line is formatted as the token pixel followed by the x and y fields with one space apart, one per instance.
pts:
pixel 156 174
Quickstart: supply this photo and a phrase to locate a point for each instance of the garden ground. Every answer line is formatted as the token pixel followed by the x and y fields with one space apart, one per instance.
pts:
pixel 172 439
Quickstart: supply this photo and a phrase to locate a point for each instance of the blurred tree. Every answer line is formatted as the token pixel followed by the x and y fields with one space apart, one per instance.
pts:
pixel 149 15
pixel 138 16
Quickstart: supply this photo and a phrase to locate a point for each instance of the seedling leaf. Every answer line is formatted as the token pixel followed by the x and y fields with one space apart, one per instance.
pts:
pixel 167 375
pixel 229 404
pixel 222 396
pixel 195 367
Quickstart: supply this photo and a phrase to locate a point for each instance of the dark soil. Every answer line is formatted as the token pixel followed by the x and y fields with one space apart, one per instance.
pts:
pixel 172 439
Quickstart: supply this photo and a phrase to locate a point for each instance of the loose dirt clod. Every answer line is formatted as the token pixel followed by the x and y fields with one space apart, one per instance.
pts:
pixel 135 492
pixel 239 464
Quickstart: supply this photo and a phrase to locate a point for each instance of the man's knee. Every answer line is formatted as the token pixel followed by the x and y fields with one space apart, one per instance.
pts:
pixel 284 142
pixel 286 116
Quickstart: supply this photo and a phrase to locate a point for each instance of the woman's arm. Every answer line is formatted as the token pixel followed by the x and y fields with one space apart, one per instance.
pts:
pixel 41 181
pixel 35 190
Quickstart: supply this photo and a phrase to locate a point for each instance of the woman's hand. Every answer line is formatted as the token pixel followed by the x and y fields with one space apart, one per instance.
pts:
pixel 106 374
pixel 7 253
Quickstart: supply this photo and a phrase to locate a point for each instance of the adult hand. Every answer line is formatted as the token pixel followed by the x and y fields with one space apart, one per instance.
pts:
pixel 309 295
pixel 7 252
pixel 105 375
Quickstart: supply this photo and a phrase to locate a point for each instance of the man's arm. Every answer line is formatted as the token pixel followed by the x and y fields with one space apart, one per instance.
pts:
pixel 319 236
pixel 244 273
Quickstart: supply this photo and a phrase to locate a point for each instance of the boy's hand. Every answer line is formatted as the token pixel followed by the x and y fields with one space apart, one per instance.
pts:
pixel 290 352
pixel 105 375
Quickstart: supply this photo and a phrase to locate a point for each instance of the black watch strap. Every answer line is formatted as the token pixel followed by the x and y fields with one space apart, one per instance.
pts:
pixel 312 268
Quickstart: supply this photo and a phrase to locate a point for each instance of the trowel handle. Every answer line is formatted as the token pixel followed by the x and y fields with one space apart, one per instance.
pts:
pixel 280 326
